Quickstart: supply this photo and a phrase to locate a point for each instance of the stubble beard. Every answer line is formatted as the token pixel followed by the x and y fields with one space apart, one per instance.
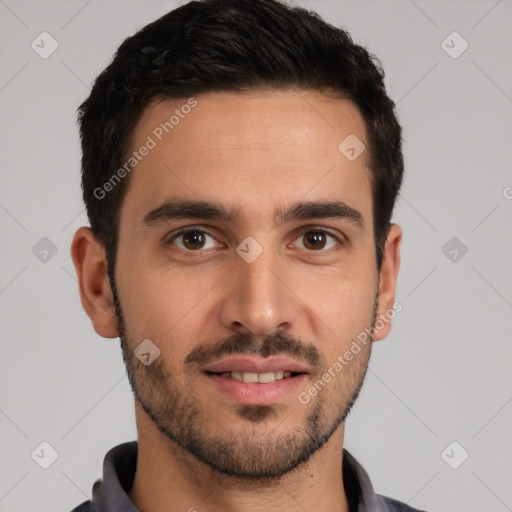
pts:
pixel 257 454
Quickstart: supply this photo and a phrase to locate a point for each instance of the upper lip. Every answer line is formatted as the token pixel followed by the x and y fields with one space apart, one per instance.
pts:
pixel 245 364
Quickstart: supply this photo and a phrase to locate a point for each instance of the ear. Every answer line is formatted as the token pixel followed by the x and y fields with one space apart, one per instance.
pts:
pixel 387 280
pixel 89 259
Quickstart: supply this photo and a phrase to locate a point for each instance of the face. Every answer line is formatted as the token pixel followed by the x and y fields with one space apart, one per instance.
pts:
pixel 254 286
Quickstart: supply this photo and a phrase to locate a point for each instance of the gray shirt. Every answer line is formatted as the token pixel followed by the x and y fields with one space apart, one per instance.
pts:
pixel 111 493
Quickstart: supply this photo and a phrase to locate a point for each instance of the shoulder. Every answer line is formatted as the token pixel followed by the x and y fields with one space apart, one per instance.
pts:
pixel 86 506
pixel 395 506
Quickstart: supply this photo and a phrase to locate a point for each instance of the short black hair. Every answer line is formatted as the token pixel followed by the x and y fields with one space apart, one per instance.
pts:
pixel 232 46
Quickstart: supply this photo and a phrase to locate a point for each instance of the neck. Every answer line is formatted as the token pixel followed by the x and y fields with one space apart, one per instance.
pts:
pixel 169 479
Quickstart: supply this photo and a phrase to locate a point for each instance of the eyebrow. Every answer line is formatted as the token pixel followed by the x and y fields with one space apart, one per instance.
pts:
pixel 211 210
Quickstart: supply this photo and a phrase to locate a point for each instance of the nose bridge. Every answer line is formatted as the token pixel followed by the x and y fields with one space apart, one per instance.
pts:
pixel 260 300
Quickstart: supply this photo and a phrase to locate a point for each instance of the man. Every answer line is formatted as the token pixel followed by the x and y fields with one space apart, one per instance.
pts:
pixel 241 160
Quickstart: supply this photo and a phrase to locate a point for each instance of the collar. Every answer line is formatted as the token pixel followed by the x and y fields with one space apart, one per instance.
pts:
pixel 120 463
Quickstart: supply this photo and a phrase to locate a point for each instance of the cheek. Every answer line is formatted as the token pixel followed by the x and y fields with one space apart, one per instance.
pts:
pixel 346 294
pixel 345 305
pixel 166 307
pixel 347 315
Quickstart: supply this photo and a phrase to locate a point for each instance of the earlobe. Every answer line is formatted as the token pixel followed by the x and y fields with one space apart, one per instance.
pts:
pixel 387 282
pixel 91 266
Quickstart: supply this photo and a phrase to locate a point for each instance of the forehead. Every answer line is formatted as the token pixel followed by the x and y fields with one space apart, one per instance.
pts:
pixel 254 151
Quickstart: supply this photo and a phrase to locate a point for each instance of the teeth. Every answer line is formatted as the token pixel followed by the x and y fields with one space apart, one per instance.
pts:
pixel 266 377
pixel 249 377
pixel 262 378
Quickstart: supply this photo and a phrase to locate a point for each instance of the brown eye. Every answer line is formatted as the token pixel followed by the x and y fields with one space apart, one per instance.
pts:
pixel 191 240
pixel 319 240
pixel 314 240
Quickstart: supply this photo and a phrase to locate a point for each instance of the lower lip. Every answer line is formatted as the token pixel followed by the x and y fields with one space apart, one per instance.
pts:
pixel 256 393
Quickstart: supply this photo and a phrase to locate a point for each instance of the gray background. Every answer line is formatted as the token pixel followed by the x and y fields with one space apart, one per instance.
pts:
pixel 443 375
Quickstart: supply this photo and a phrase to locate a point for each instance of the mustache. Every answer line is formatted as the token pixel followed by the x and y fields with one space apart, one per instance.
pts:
pixel 278 343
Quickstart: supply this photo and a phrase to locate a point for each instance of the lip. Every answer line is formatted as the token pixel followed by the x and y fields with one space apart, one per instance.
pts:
pixel 247 364
pixel 255 393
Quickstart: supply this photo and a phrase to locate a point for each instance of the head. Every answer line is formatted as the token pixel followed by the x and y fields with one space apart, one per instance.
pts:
pixel 229 117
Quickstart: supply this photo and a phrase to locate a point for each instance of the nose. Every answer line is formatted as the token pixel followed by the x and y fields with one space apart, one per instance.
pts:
pixel 260 297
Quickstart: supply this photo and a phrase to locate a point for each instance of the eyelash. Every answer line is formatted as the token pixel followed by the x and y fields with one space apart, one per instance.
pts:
pixel 308 229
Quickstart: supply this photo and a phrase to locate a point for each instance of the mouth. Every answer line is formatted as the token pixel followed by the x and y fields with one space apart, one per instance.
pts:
pixel 256 381
pixel 253 377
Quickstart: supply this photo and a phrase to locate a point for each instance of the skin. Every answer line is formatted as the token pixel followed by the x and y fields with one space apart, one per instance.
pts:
pixel 242 150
